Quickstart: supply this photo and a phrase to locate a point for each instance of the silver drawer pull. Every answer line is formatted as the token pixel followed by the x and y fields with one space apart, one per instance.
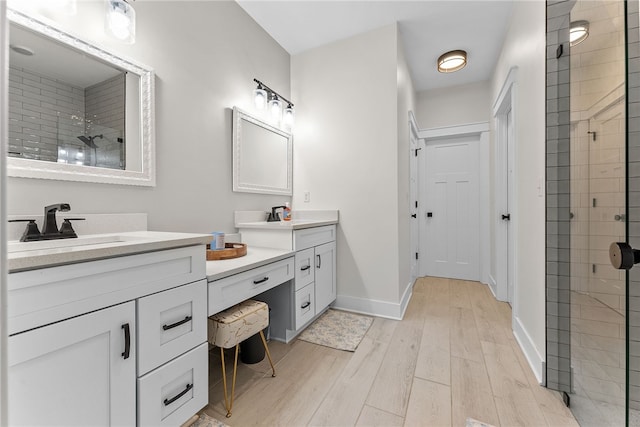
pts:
pixel 257 282
pixel 305 305
pixel 168 402
pixel 175 325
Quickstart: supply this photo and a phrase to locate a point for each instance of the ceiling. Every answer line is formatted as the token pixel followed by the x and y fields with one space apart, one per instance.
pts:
pixel 428 28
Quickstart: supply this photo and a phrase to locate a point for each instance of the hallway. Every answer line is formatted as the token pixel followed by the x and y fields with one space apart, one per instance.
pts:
pixel 453 356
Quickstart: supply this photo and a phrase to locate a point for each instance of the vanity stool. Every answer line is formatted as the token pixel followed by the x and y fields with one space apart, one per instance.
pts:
pixel 232 326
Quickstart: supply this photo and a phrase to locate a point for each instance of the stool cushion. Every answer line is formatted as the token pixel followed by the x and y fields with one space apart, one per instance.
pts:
pixel 234 325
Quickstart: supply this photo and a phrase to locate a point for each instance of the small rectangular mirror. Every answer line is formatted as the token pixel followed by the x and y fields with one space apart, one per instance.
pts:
pixel 262 156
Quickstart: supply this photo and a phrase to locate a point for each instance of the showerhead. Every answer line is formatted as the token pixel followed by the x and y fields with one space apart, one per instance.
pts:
pixel 88 140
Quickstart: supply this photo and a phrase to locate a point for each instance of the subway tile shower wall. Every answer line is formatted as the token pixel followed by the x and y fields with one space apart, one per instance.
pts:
pixel 43 113
pixel 46 116
pixel 105 115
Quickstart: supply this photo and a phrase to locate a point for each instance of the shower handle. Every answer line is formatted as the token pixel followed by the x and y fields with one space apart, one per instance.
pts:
pixel 623 256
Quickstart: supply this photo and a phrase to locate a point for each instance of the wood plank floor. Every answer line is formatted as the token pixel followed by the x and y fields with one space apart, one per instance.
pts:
pixel 453 356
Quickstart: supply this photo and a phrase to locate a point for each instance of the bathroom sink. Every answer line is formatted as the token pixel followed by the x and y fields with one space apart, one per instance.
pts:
pixel 79 242
pixel 30 255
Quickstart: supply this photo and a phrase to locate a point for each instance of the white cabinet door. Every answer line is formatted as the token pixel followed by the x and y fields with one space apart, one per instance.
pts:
pixel 76 372
pixel 325 275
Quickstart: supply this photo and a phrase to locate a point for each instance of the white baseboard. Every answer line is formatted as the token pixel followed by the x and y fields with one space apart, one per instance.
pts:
pixel 389 310
pixel 493 286
pixel 529 349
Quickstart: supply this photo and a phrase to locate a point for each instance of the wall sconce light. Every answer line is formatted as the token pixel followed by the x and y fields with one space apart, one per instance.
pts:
pixel 263 93
pixel 260 97
pixel 121 20
pixel 578 32
pixel 452 61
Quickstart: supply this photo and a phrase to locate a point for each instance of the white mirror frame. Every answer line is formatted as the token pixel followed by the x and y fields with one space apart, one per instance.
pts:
pixel 238 117
pixel 27 168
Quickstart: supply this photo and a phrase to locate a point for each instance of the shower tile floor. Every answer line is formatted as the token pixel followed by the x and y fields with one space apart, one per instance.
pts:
pixel 598 361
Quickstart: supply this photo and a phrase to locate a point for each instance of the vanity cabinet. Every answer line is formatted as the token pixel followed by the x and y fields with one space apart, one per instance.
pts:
pixel 325 274
pixel 313 287
pixel 80 371
pixel 315 280
pixel 118 341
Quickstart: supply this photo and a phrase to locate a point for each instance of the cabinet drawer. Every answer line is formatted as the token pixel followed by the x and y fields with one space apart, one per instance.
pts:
pixel 42 296
pixel 305 305
pixel 304 268
pixel 174 392
pixel 231 290
pixel 170 323
pixel 309 237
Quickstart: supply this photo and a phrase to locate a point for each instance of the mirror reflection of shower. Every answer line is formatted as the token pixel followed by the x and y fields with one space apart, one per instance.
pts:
pixel 88 140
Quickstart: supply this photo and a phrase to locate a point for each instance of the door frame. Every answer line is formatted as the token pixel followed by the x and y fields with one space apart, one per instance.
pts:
pixel 506 243
pixel 4 68
pixel 480 129
pixel 414 226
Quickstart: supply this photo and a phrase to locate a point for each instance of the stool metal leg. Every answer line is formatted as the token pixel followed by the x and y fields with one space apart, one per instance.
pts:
pixel 233 383
pixel 224 380
pixel 228 405
pixel 266 348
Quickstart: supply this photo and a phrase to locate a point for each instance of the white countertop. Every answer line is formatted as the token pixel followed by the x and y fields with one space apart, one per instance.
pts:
pixel 255 257
pixel 299 219
pixel 48 253
pixel 295 224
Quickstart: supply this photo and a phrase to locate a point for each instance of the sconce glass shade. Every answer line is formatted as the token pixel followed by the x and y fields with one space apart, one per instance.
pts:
pixel 275 107
pixel 260 98
pixel 578 32
pixel 452 61
pixel 288 116
pixel 121 21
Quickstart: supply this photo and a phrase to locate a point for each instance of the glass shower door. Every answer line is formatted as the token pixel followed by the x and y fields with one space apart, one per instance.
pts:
pixel 598 212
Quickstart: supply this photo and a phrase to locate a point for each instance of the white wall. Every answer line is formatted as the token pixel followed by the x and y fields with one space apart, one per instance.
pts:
pixel 525 48
pixel 470 103
pixel 205 55
pixel 406 103
pixel 346 155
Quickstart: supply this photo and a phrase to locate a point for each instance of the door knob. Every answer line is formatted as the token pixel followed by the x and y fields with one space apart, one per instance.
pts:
pixel 414 215
pixel 506 217
pixel 623 256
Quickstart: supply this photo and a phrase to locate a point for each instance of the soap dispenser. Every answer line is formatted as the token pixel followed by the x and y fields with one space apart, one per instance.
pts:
pixel 286 213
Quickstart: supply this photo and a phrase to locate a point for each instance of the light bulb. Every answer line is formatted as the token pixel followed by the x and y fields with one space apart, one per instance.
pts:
pixel 275 107
pixel 121 20
pixel 260 98
pixel 289 116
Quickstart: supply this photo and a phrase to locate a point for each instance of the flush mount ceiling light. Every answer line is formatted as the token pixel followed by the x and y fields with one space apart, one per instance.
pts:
pixel 121 20
pixel 578 32
pixel 264 96
pixel 22 50
pixel 452 61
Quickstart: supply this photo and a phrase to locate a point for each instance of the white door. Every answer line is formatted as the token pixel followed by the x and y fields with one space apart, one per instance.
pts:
pixel 75 372
pixel 325 275
pixel 414 227
pixel 452 208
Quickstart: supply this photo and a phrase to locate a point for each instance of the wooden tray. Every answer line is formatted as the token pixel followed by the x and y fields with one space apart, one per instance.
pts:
pixel 230 251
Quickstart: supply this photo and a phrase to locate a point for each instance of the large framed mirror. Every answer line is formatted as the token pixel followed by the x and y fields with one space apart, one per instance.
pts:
pixel 262 156
pixel 77 112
